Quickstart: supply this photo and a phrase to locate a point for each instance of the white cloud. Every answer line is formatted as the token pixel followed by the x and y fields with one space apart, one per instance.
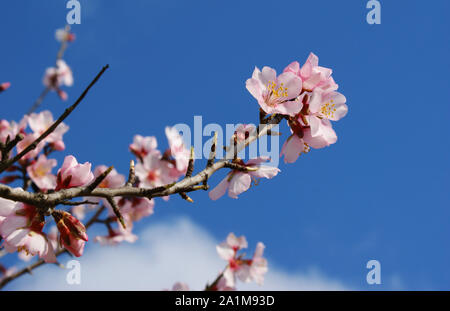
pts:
pixel 164 254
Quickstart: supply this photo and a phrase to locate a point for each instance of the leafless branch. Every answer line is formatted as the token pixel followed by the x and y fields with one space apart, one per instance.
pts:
pixel 5 164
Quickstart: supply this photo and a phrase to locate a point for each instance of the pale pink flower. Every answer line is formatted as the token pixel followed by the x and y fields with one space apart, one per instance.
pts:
pixel 177 149
pixel 112 180
pixel 11 129
pixel 52 238
pixel 72 174
pixel 28 140
pixel 136 208
pixel 31 242
pixel 119 235
pixel 58 76
pixel 237 182
pixel 40 173
pixel 256 268
pixel 72 233
pixel 40 122
pixel 323 107
pixel 6 208
pixel 231 245
pixel 313 75
pixel 323 138
pixel 238 267
pixel 22 232
pixel 276 94
pixel 154 172
pixel 142 146
pixel 293 147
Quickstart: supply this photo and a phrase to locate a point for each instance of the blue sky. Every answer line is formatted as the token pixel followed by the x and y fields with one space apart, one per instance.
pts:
pixel 381 192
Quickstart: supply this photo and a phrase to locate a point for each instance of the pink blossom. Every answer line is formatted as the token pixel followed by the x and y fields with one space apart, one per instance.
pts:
pixel 6 208
pixel 58 76
pixel 228 249
pixel 323 107
pixel 177 149
pixel 323 138
pixel 245 270
pixel 40 122
pixel 143 146
pixel 276 94
pixel 293 147
pixel 112 180
pixel 72 174
pixel 22 232
pixel 28 140
pixel 40 173
pixel 136 208
pixel 4 86
pixel 116 236
pixel 313 75
pixel 258 265
pixel 154 172
pixel 237 182
pixel 32 243
pixel 11 129
pixel 71 231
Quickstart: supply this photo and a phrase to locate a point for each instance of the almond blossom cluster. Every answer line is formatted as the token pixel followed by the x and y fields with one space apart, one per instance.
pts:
pixel 22 225
pixel 307 96
pixel 60 75
pixel 156 169
pixel 238 267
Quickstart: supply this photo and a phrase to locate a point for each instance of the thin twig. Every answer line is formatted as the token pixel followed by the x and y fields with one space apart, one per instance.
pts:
pixel 115 208
pixel 5 164
pixel 39 100
pixel 71 203
pixel 131 175
pixel 99 179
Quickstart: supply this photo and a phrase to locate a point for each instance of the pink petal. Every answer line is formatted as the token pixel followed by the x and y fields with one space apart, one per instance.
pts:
pixel 238 184
pixel 220 189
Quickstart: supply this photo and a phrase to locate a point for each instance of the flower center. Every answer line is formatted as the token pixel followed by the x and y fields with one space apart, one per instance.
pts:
pixel 276 93
pixel 41 171
pixel 153 176
pixel 328 109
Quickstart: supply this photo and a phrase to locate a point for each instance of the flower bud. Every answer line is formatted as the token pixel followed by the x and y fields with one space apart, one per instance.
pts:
pixel 72 232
